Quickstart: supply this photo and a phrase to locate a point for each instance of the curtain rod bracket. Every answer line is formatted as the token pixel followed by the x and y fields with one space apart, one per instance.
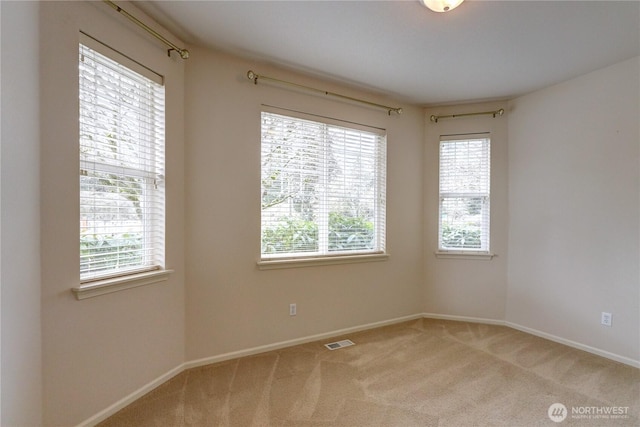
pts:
pixel 254 77
pixel 184 53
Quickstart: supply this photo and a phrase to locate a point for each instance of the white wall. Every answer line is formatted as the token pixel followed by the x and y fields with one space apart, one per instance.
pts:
pixel 20 270
pixel 462 287
pixel 574 209
pixel 99 350
pixel 231 305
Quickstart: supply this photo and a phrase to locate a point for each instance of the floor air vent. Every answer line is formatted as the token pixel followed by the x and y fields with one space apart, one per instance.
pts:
pixel 339 344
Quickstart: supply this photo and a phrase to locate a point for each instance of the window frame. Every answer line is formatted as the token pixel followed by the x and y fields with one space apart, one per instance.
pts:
pixel 310 258
pixel 484 252
pixel 151 179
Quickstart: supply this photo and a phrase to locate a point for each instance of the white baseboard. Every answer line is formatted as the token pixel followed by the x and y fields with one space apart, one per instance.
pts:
pixel 106 413
pixel 297 341
pixel 574 344
pixel 541 334
pixel 463 319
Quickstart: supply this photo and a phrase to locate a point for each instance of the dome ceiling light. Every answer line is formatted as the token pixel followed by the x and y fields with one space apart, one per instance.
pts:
pixel 441 5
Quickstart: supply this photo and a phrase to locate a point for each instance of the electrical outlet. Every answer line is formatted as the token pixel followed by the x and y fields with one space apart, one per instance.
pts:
pixel 605 319
pixel 293 310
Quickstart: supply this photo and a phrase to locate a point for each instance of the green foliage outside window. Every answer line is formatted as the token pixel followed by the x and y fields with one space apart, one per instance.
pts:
pixel 347 233
pixel 293 235
pixel 467 237
pixel 110 251
pixel 298 235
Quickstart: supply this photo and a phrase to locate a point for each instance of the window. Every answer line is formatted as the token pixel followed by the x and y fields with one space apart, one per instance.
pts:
pixel 323 188
pixel 464 194
pixel 121 165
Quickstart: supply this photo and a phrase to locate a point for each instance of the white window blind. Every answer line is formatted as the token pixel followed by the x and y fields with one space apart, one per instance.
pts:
pixel 323 188
pixel 121 168
pixel 465 172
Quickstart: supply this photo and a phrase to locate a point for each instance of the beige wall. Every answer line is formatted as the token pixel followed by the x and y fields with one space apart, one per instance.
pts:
pixel 97 351
pixel 462 287
pixel 574 209
pixel 231 305
pixel 20 266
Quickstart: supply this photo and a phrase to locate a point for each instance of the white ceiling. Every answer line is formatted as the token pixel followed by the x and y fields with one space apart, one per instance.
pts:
pixel 482 50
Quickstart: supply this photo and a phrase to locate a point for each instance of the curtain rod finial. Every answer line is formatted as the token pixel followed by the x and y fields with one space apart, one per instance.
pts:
pixel 252 76
pixel 184 53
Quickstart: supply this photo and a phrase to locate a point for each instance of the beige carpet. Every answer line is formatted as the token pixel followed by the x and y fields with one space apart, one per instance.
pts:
pixel 420 373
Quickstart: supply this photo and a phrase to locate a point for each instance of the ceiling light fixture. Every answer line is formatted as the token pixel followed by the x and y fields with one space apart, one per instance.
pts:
pixel 441 5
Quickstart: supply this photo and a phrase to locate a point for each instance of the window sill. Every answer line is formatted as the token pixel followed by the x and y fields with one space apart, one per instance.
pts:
pixel 107 286
pixel 464 255
pixel 273 264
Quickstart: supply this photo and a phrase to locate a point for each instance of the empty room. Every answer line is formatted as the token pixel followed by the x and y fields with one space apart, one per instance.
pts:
pixel 320 213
